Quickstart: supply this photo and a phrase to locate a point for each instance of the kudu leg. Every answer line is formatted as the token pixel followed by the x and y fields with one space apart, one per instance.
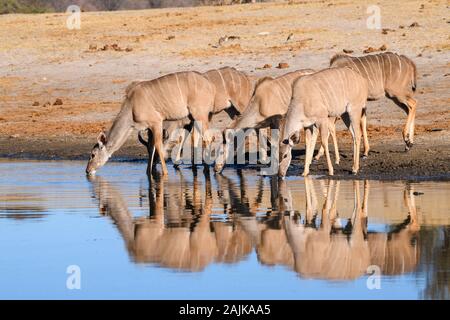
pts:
pixel 308 138
pixel 319 154
pixel 151 149
pixel 157 133
pixel 332 131
pixel 183 137
pixel 364 133
pixel 412 103
pixel 409 200
pixel 324 133
pixel 262 140
pixel 200 138
pixel 151 152
pixel 310 142
pixel 409 105
pixel 355 129
pixel 311 201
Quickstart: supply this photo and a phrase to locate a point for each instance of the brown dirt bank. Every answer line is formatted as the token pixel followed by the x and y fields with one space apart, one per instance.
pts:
pixel 42 61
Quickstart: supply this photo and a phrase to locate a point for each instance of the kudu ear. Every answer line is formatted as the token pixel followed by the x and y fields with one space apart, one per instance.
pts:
pixel 101 139
pixel 295 137
pixel 292 140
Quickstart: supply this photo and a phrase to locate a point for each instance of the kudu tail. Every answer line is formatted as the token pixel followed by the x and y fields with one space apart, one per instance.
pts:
pixel 414 77
pixel 414 84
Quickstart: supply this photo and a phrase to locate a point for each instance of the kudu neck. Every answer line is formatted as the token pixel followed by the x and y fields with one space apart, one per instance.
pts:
pixel 119 132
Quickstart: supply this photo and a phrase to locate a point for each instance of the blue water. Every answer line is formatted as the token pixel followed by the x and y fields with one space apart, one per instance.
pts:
pixel 52 217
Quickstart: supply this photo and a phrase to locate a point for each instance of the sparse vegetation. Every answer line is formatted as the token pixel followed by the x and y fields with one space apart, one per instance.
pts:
pixel 40 6
pixel 29 6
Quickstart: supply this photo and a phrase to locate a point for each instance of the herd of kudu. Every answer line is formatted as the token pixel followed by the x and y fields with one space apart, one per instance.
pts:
pixel 300 100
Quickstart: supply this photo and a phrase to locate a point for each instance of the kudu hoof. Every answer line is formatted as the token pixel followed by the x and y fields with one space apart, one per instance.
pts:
pixel 218 168
pixel 408 146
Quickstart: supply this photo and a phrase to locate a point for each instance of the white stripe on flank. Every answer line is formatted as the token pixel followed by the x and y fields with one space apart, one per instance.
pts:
pixel 179 90
pixel 342 78
pixel 223 81
pixel 161 90
pixel 390 65
pixel 322 95
pixel 195 82
pixel 379 67
pixel 277 87
pixel 235 98
pixel 169 91
pixel 356 67
pixel 370 63
pixel 378 73
pixel 239 85
pixel 331 90
pixel 285 90
pixel 148 94
pixel 400 64
pixel 367 73
pixel 232 81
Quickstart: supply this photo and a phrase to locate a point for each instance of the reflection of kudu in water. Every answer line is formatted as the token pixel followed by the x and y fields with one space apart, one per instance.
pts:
pixel 331 252
pixel 396 252
pixel 180 234
pixel 322 252
pixel 172 236
pixel 241 209
pixel 168 237
pixel 265 233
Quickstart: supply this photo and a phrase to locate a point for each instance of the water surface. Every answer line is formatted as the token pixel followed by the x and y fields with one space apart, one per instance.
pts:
pixel 231 236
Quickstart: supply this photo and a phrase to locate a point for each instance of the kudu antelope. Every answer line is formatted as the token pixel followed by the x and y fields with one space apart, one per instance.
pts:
pixel 147 104
pixel 334 92
pixel 233 90
pixel 267 106
pixel 391 75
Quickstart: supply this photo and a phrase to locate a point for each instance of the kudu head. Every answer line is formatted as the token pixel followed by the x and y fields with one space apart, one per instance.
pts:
pixel 285 156
pixel 99 155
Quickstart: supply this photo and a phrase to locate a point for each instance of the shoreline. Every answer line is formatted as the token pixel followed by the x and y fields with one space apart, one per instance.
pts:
pixel 387 161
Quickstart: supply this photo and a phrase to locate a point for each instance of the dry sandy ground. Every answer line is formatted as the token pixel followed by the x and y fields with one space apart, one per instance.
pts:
pixel 41 60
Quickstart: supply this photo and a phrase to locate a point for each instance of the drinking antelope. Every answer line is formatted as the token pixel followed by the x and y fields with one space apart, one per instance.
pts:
pixel 334 92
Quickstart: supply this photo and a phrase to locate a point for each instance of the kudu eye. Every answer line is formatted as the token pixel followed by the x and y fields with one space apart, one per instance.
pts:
pixel 286 141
